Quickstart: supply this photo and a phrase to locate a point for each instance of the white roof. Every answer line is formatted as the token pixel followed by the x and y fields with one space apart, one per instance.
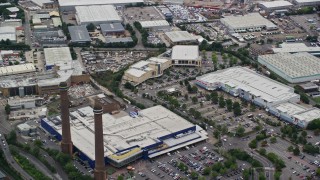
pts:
pixel 13 9
pixel 124 132
pixel 295 47
pixel 309 115
pixel 17 69
pixel 180 36
pixel 155 23
pixel 274 4
pixel 41 2
pixel 135 72
pixel 290 108
pixel 95 2
pixel 249 81
pixel 307 1
pixel 102 13
pixel 140 64
pixel 56 21
pixel 59 56
pixel 185 52
pixel 247 21
pixel 293 65
pixel 158 60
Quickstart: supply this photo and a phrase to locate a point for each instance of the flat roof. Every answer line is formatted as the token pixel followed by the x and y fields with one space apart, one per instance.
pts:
pixel 17 69
pixel 79 34
pixel 249 81
pixel 307 1
pixel 124 132
pixel 180 36
pixel 293 65
pixel 185 52
pixel 158 60
pixel 41 2
pixel 13 9
pixel 116 40
pixel 275 4
pixel 112 27
pixel 135 72
pixel 247 21
pixel 309 115
pixel 295 47
pixel 102 13
pixel 59 56
pixel 155 23
pixel 290 108
pixel 96 2
pixel 56 21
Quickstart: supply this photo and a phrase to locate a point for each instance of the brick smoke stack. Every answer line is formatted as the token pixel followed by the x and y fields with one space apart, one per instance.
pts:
pixel 99 171
pixel 66 143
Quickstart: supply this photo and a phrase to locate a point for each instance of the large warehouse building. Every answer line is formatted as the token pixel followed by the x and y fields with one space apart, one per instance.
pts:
pixel 276 98
pixel 8 33
pixel 79 34
pixel 295 68
pixel 69 5
pixel 243 82
pixel 296 47
pixel 155 25
pixel 97 15
pixel 275 5
pixel 144 70
pixel 60 56
pixel 144 134
pixel 180 37
pixel 248 22
pixel 186 55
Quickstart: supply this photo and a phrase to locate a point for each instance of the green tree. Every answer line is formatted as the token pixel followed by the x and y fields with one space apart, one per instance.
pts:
pixel 91 27
pixel 194 99
pixel 7 108
pixel 240 131
pixel 194 175
pixel 222 103
pixel 315 124
pixel 186 97
pixel 318 172
pixel 296 151
pixel 273 140
pixel 12 137
pixel 253 144
pixel 236 109
pixel 262 151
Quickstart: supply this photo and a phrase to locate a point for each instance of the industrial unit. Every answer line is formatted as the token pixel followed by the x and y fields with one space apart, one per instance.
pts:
pixel 17 69
pixel 306 2
pixel 69 5
pixel 59 56
pixel 186 55
pixel 295 68
pixel 112 29
pixel 295 114
pixel 248 22
pixel 155 25
pixel 144 134
pixel 296 47
pixel 275 5
pixel 46 4
pixel 97 15
pixel 243 82
pixel 180 37
pixel 8 32
pixel 144 70
pixel 79 34
pixel 276 98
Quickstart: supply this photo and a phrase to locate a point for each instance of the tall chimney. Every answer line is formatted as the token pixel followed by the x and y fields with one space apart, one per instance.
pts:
pixel 99 171
pixel 66 143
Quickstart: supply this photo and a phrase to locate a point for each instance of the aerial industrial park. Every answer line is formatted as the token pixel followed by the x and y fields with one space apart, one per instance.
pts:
pixel 160 89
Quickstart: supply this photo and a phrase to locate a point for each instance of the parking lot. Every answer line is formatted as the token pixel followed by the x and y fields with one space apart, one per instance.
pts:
pixel 186 163
pixel 296 166
pixel 309 23
pixel 211 31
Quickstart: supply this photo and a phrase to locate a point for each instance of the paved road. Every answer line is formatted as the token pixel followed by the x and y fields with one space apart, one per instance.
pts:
pixel 27 29
pixel 11 161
